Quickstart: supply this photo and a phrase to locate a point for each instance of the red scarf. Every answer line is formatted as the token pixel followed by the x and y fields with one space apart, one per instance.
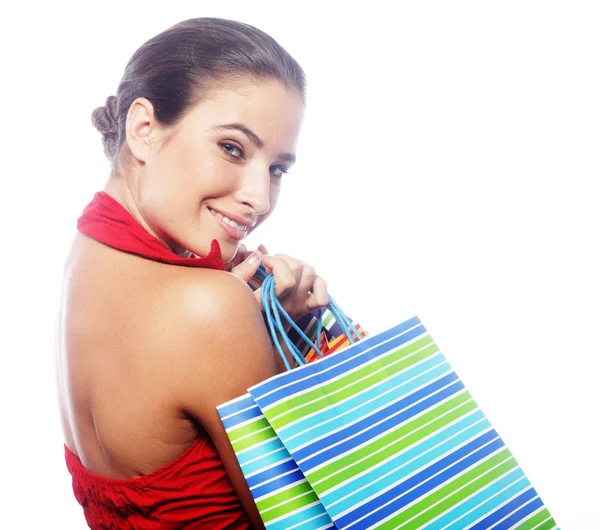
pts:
pixel 106 220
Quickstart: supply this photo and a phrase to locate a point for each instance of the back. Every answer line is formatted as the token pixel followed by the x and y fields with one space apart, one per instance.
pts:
pixel 136 457
pixel 117 407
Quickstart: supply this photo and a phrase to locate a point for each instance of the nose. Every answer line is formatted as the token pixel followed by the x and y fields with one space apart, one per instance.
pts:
pixel 254 191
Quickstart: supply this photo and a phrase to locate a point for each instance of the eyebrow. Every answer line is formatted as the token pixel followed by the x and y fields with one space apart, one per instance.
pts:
pixel 253 137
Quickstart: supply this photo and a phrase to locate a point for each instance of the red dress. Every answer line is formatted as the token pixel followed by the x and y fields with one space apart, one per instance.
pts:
pixel 193 491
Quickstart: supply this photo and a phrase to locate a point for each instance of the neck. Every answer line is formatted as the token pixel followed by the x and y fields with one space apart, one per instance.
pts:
pixel 118 188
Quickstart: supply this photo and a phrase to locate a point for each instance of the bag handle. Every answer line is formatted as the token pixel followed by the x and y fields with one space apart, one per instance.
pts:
pixel 274 311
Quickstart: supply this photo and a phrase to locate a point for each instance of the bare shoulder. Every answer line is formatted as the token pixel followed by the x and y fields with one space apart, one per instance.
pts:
pixel 218 348
pixel 213 340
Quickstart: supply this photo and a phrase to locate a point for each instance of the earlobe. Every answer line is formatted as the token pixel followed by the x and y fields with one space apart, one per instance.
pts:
pixel 140 121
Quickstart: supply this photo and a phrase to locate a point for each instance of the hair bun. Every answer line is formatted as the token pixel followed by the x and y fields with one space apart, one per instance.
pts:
pixel 105 120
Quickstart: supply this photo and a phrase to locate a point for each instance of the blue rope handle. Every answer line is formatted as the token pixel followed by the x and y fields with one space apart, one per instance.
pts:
pixel 271 325
pixel 343 320
pixel 273 309
pixel 277 306
pixel 269 285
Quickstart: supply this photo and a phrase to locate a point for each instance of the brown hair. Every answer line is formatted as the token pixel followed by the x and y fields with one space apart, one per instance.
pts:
pixel 175 67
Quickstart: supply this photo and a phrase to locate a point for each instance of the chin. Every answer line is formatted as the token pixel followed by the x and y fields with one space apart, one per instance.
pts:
pixel 228 250
pixel 229 247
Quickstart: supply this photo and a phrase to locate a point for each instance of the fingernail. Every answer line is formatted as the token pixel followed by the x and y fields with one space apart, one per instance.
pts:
pixel 253 258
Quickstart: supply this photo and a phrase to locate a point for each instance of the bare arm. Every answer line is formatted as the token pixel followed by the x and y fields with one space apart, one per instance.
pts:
pixel 222 349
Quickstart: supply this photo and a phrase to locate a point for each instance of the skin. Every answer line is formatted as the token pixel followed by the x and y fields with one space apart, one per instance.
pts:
pixel 146 351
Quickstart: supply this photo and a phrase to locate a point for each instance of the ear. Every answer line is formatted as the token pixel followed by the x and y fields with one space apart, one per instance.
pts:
pixel 140 128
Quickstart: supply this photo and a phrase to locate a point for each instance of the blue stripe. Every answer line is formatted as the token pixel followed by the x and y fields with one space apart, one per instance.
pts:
pixel 407 455
pixel 516 476
pixel 319 522
pixel 364 437
pixel 519 515
pixel 316 374
pixel 389 414
pixel 333 360
pixel 505 510
pixel 400 496
pixel 297 518
pixel 307 377
pixel 278 483
pixel 259 450
pixel 240 417
pixel 405 469
pixel 230 408
pixel 271 473
pixel 487 507
pixel 265 461
pixel 353 408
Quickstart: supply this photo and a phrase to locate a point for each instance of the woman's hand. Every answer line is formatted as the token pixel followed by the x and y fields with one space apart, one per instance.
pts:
pixel 245 263
pixel 297 286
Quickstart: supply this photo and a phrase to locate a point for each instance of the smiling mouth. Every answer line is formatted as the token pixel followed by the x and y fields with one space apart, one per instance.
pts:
pixel 234 229
pixel 230 222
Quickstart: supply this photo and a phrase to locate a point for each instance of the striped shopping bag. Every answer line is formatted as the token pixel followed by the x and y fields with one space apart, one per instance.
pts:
pixel 387 436
pixel 381 434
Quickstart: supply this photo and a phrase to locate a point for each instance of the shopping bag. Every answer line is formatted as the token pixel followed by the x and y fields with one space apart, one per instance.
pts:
pixel 387 436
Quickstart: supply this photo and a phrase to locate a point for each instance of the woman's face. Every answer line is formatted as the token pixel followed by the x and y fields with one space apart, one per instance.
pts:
pixel 219 174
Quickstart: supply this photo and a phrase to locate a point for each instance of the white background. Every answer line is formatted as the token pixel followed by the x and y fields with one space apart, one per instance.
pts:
pixel 448 168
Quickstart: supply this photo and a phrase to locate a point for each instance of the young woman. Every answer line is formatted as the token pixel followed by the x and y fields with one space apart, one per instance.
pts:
pixel 157 325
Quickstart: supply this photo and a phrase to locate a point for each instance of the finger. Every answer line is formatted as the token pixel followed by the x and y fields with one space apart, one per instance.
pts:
pixel 248 267
pixel 295 265
pixel 285 280
pixel 319 297
pixel 265 252
pixel 305 284
pixel 240 256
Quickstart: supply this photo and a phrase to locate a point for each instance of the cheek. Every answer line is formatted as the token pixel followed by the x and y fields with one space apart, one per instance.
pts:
pixel 192 179
pixel 274 194
pixel 168 193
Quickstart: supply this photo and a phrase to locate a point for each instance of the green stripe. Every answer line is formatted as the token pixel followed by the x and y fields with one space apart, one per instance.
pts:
pixel 327 318
pixel 291 403
pixel 249 428
pixel 400 439
pixel 253 440
pixel 549 525
pixel 283 495
pixel 425 515
pixel 289 410
pixel 288 500
pixel 536 519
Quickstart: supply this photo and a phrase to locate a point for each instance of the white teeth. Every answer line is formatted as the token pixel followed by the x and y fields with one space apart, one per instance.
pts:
pixel 230 222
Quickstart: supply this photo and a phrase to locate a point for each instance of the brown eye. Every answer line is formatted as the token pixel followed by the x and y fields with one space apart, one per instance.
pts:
pixel 232 150
pixel 278 171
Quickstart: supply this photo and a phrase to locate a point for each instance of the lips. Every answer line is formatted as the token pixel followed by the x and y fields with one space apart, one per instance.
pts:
pixel 233 228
